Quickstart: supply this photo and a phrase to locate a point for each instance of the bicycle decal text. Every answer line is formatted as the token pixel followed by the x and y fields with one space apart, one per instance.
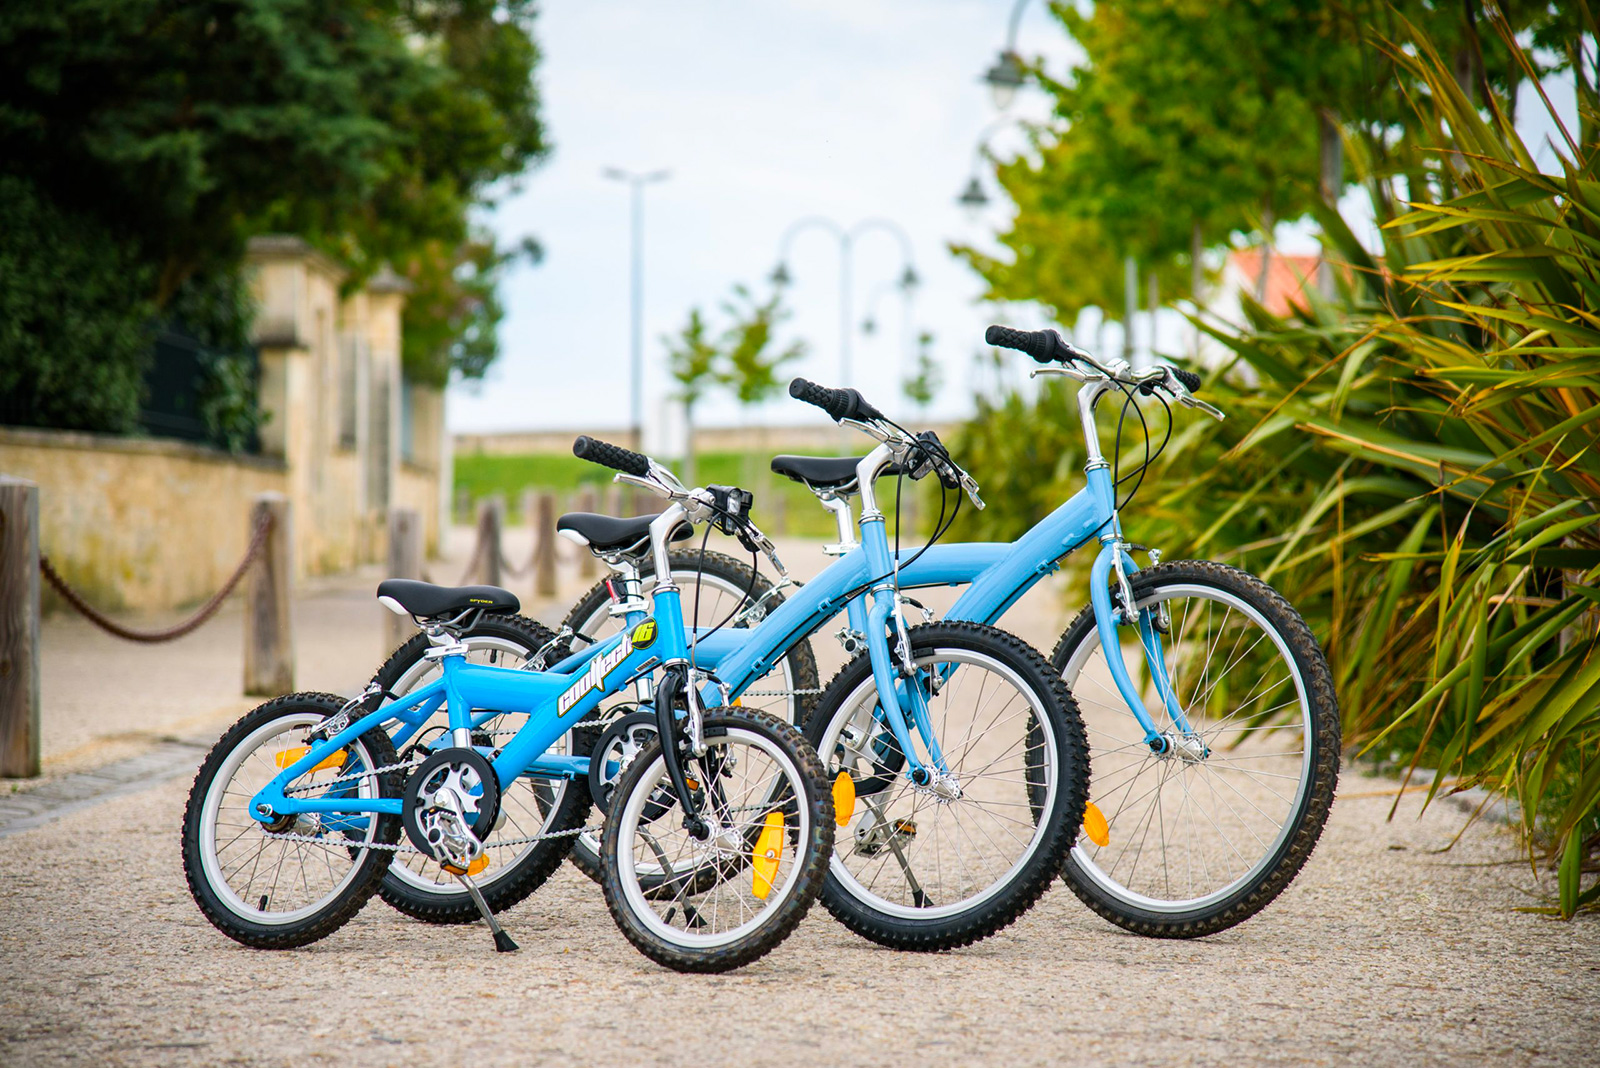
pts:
pixel 594 676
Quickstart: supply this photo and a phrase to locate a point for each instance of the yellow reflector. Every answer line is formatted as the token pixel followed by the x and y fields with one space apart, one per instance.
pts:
pixel 844 798
pixel 289 756
pixel 738 702
pixel 478 865
pixel 1095 826
pixel 768 852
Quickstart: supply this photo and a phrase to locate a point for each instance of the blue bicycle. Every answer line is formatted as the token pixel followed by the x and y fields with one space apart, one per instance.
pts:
pixel 1209 705
pixel 969 776
pixel 719 828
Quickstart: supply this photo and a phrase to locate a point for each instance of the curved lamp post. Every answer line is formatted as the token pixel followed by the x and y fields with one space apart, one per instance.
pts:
pixel 636 182
pixel 847 238
pixel 1006 76
pixel 973 198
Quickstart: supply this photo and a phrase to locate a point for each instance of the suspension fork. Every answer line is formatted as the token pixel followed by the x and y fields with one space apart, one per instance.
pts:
pixel 1107 619
pixel 674 681
pixel 897 694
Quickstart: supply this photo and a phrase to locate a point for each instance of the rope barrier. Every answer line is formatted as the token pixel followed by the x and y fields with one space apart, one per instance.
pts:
pixel 205 612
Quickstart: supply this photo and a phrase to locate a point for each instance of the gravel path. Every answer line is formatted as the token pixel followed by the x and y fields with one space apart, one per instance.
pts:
pixel 1385 951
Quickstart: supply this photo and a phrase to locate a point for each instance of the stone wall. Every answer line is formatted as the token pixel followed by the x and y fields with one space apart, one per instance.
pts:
pixel 139 524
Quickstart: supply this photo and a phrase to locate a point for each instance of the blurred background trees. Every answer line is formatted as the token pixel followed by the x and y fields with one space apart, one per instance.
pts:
pixel 142 143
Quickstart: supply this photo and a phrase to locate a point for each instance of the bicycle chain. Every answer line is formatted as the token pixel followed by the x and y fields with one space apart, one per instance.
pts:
pixel 406 847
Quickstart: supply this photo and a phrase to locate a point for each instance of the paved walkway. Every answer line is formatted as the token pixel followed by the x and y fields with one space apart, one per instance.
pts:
pixel 1385 951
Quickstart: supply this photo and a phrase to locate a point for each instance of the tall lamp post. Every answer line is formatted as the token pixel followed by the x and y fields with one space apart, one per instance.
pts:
pixel 1007 76
pixel 636 182
pixel 847 239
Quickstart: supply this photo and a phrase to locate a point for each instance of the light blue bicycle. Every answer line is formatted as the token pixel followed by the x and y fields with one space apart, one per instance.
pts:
pixel 716 841
pixel 1211 713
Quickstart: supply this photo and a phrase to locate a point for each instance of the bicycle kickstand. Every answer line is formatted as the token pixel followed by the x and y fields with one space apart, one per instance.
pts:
pixel 502 941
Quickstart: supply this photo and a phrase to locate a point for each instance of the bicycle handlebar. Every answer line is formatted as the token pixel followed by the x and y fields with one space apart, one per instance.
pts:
pixel 841 404
pixel 613 456
pixel 1045 346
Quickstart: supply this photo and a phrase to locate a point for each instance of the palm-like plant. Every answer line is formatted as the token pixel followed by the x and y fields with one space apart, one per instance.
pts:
pixel 1418 466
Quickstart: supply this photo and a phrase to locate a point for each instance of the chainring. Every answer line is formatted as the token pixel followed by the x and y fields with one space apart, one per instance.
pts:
pixel 470 774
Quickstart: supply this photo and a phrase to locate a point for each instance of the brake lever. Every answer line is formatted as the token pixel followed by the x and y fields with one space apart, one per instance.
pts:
pixel 970 484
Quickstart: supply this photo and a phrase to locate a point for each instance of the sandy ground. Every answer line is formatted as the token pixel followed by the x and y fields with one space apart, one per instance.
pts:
pixel 1385 951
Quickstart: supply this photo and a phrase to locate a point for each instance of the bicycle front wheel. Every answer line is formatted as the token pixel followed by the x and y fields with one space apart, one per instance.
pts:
pixel 720 901
pixel 944 864
pixel 1202 830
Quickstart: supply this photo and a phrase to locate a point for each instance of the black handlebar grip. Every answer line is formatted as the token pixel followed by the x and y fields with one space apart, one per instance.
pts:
pixel 613 456
pixel 1044 346
pixel 838 403
pixel 1190 380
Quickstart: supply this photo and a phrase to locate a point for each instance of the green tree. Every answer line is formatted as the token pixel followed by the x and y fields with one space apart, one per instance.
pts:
pixel 751 358
pixel 925 381
pixel 372 127
pixel 692 359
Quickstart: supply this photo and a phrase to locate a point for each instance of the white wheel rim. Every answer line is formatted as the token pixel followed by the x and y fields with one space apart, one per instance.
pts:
pixel 629 871
pixel 1088 856
pixel 859 703
pixel 217 872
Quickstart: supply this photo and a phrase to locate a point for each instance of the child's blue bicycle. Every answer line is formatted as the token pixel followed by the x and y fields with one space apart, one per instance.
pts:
pixel 1210 707
pixel 716 841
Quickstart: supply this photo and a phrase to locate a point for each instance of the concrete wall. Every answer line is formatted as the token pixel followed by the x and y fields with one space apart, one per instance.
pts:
pixel 138 524
pixel 148 524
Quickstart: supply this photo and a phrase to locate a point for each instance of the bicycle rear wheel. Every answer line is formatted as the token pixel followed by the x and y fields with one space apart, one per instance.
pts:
pixel 1202 835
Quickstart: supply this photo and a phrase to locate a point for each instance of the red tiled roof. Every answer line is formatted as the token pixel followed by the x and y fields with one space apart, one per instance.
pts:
pixel 1287 276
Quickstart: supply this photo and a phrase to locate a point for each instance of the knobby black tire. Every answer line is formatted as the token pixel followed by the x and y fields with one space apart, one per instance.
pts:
pixel 370 868
pixel 1324 736
pixel 519 879
pixel 1029 884
pixel 800 657
pixel 819 846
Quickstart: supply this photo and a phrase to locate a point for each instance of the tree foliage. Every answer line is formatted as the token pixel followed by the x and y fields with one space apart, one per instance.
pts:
pixel 371 127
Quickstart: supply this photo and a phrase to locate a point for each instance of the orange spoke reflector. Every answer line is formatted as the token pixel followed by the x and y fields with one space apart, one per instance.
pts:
pixel 289 756
pixel 844 798
pixel 1095 826
pixel 478 865
pixel 766 855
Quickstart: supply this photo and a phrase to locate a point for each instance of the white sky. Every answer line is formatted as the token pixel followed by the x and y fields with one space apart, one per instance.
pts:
pixel 764 113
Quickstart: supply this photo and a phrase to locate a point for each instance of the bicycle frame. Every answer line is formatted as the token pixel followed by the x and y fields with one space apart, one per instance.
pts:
pixel 555 701
pixel 996 575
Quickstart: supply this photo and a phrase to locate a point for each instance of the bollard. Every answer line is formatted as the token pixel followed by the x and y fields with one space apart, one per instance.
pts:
pixel 268 633
pixel 491 512
pixel 780 514
pixel 613 506
pixel 588 563
pixel 463 506
pixel 19 628
pixel 405 561
pixel 642 502
pixel 542 518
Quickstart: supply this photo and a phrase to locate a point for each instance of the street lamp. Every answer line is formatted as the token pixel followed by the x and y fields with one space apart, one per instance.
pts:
pixel 636 182
pixel 1007 76
pixel 847 238
pixel 973 199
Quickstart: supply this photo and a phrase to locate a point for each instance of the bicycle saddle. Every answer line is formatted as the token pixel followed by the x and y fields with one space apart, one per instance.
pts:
pixel 834 473
pixel 428 601
pixel 604 533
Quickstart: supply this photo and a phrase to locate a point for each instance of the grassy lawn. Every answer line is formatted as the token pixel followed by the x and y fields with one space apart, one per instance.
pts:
pixel 482 474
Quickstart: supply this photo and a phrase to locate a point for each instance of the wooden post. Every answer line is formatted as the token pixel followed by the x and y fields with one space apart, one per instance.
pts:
pixel 491 512
pixel 19 628
pixel 463 506
pixel 588 565
pixel 780 514
pixel 405 561
pixel 613 500
pixel 542 517
pixel 268 632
